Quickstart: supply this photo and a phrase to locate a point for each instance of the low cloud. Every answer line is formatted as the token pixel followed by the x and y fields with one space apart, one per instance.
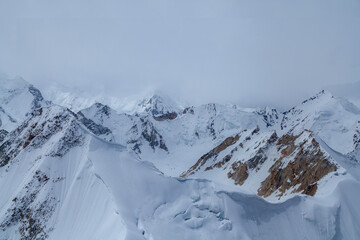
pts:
pixel 253 53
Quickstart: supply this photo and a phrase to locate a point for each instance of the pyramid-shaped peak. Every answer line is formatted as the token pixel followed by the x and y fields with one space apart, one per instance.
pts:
pixel 158 103
pixel 98 109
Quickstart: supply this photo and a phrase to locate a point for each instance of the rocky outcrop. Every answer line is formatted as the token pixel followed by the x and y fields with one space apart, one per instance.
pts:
pixel 301 165
pixel 29 214
pixel 38 101
pixel 166 116
pixel 240 170
pixel 145 132
pixel 159 106
pixel 294 163
pixel 97 129
pixel 152 136
pixel 355 154
pixel 103 109
pixel 188 110
pixel 270 116
pixel 41 125
pixel 211 155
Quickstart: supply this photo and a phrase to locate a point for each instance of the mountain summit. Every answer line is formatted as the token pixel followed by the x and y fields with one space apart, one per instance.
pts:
pixel 158 104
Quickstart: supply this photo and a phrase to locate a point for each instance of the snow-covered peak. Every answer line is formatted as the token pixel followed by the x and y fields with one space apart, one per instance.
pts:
pixel 157 104
pixel 98 110
pixel 52 122
pixel 17 99
pixel 333 119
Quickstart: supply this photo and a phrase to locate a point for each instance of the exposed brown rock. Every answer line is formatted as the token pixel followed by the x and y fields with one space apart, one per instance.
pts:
pixel 213 153
pixel 239 173
pixel 32 135
pixel 28 140
pixel 166 116
pixel 308 166
pixel 305 163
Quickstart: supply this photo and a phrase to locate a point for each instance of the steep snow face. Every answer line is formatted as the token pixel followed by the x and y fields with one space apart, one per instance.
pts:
pixel 97 190
pixel 17 99
pixel 333 119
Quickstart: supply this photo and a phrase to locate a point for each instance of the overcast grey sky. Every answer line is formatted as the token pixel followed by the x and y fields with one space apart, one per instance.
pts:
pixel 245 51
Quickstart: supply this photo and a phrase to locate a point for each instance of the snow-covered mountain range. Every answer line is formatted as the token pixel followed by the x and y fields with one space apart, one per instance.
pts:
pixel 162 170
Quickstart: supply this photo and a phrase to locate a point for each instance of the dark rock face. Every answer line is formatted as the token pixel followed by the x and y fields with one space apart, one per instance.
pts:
pixel 3 134
pixel 212 130
pixel 355 155
pixel 103 109
pixel 269 117
pixel 97 129
pixel 314 97
pixel 146 133
pixel 135 146
pixel 356 137
pixel 42 124
pixel 188 110
pixel 38 98
pixel 152 136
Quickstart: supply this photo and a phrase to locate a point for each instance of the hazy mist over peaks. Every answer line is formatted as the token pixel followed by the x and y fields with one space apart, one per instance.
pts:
pixel 253 53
